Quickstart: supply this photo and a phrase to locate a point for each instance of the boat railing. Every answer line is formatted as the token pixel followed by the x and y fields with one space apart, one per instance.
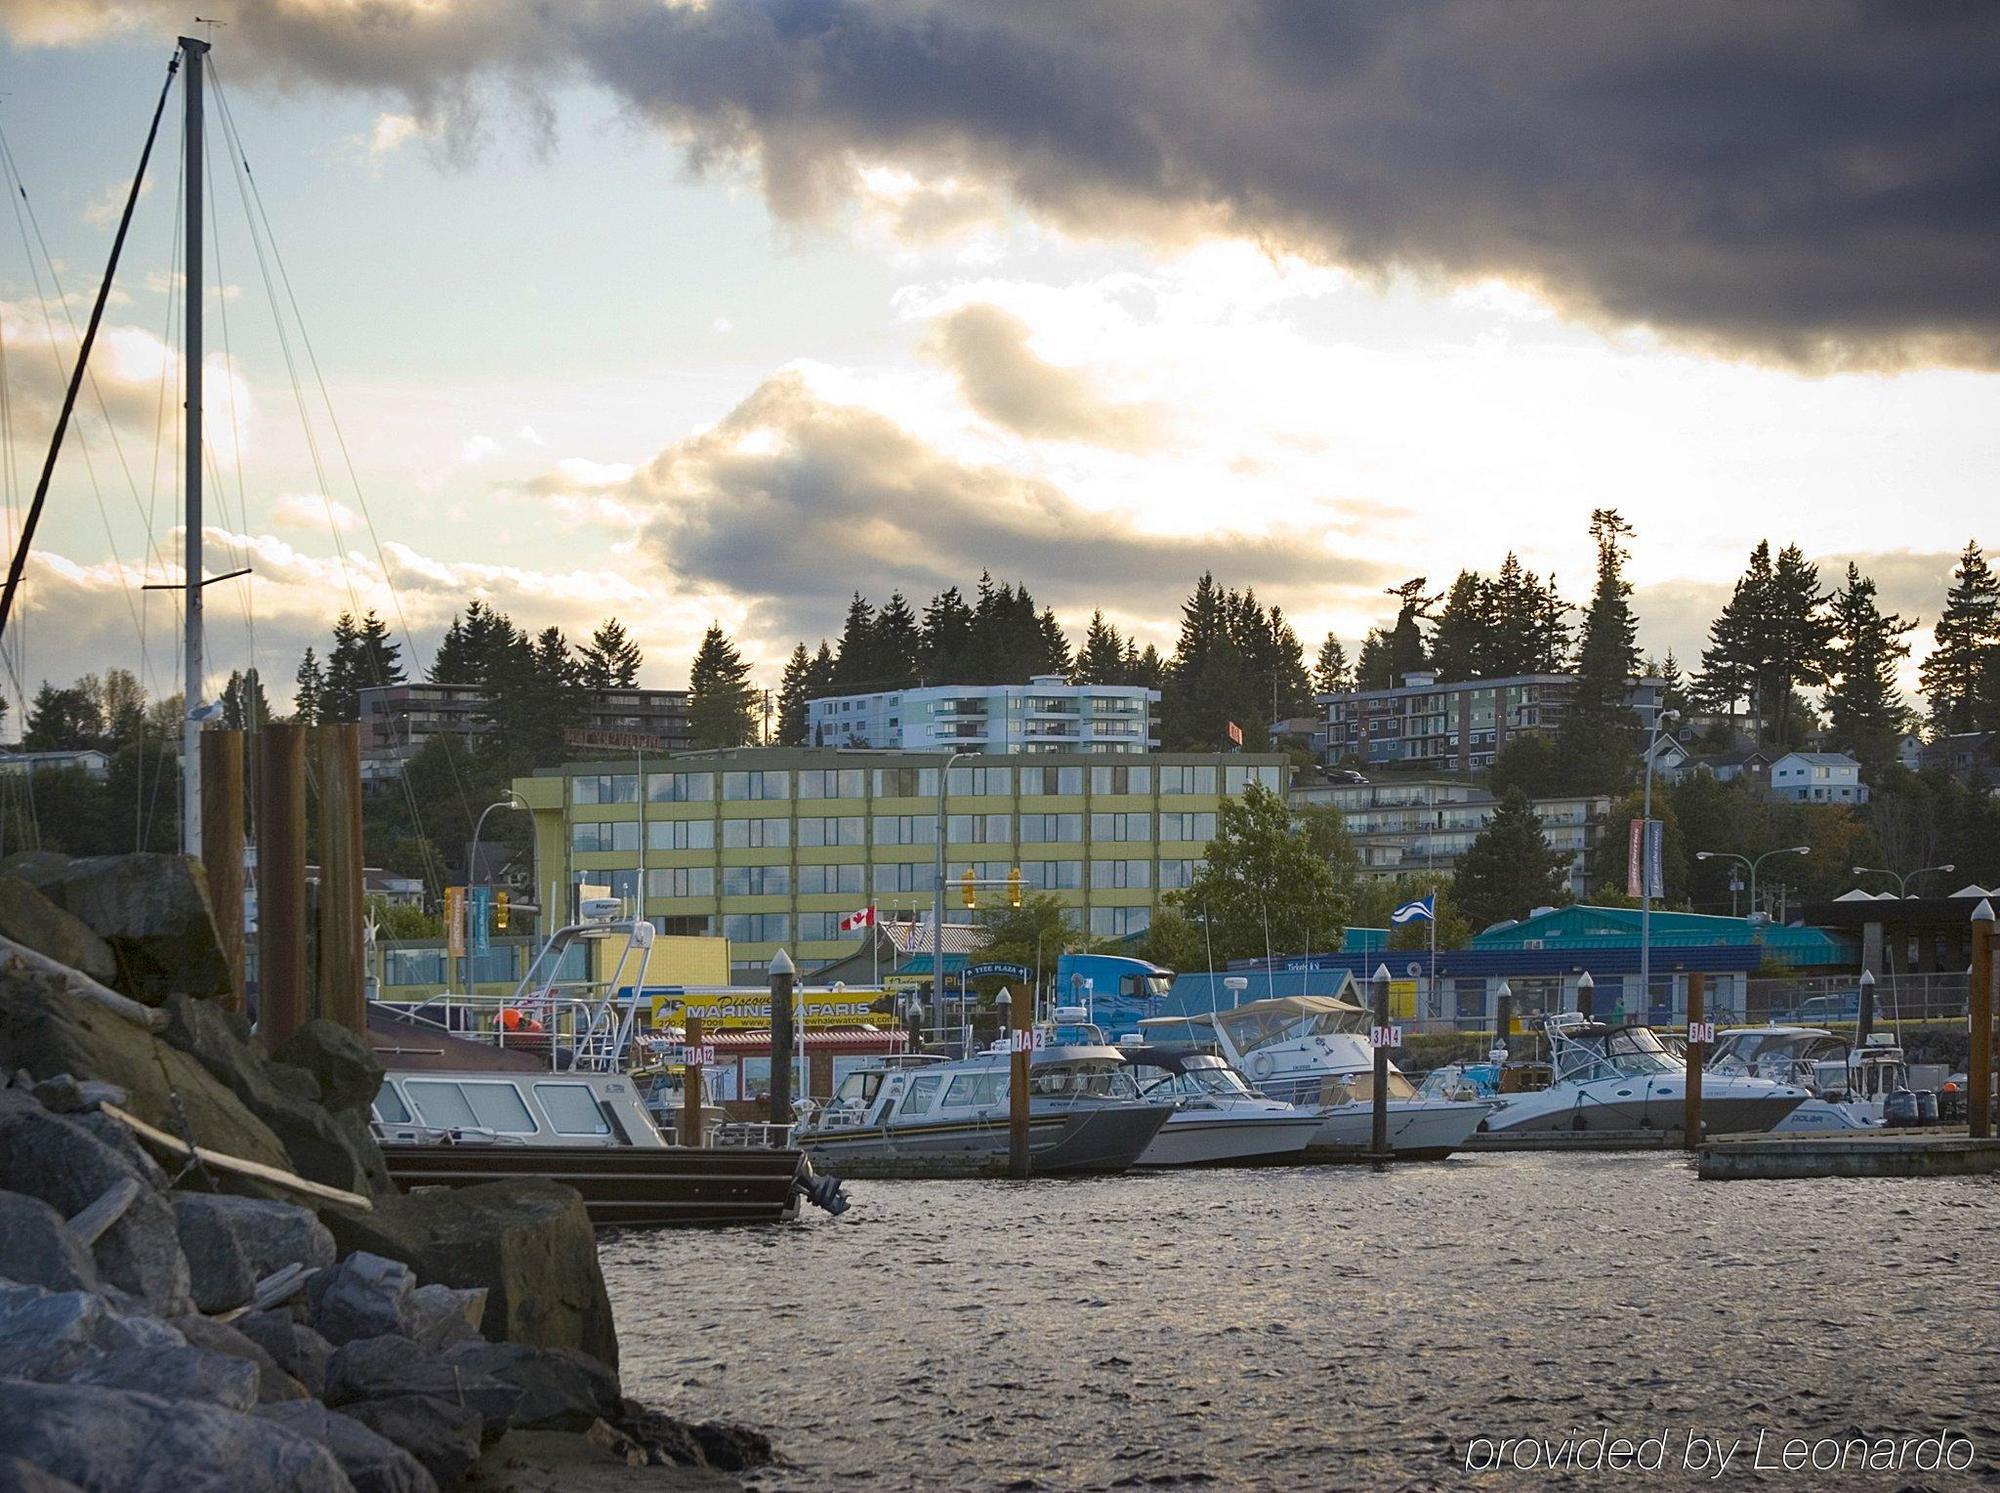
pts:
pixel 410 1133
pixel 754 1134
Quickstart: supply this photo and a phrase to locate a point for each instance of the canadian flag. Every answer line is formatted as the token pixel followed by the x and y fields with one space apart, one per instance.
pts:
pixel 862 919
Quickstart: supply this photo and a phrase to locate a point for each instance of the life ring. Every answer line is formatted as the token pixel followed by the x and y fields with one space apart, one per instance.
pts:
pixel 1262 1065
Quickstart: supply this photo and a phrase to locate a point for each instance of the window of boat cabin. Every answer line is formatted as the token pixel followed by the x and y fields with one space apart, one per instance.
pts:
pixel 922 1091
pixel 571 1108
pixel 860 1088
pixel 389 1106
pixel 970 1089
pixel 485 1106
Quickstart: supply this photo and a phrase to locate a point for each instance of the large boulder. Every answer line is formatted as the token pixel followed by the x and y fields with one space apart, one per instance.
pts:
pixel 102 1438
pixel 28 917
pixel 437 1316
pixel 364 1296
pixel 37 1248
pixel 527 1241
pixel 441 1434
pixel 372 1464
pixel 273 1383
pixel 52 1334
pixel 348 1072
pixel 294 1347
pixel 560 1389
pixel 319 1147
pixel 153 911
pixel 17 1476
pixel 219 1273
pixel 48 1031
pixel 380 1368
pixel 269 1235
pixel 53 1158
pixel 183 1373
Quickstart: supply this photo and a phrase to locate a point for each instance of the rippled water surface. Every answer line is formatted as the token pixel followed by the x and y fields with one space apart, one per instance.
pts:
pixel 1330 1327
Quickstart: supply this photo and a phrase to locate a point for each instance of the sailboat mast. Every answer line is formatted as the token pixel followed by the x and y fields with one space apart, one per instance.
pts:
pixel 191 698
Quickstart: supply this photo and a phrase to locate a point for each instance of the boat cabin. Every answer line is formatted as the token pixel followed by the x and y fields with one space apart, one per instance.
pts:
pixel 519 1109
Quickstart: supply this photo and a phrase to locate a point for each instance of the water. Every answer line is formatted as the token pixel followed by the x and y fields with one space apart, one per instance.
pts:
pixel 1330 1327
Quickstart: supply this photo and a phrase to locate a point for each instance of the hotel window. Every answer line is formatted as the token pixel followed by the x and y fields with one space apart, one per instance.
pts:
pixel 1177 874
pixel 680 787
pixel 979 829
pixel 756 834
pixel 832 782
pixel 847 830
pixel 905 829
pixel 616 834
pixel 906 782
pixel 1121 779
pixel 821 881
pixel 819 927
pixel 981 782
pixel 906 876
pixel 1198 827
pixel 1119 922
pixel 1051 829
pixel 756 927
pixel 1120 875
pixel 680 834
pixel 1187 780
pixel 756 881
pixel 681 881
pixel 605 788
pixel 1121 827
pixel 987 873
pixel 1053 876
pixel 699 926
pixel 756 785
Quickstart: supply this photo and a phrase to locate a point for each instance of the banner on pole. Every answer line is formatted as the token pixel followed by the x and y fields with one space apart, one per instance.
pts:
pixel 479 918
pixel 454 921
pixel 1645 859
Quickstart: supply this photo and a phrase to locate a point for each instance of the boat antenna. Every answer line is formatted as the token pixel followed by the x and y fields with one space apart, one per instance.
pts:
pixel 20 560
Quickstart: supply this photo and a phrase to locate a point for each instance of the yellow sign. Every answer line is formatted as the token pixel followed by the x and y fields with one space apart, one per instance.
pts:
pixel 749 1008
pixel 1402 1000
pixel 454 921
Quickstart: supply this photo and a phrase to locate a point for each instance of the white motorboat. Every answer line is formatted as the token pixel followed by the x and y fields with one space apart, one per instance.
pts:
pixel 1625 1078
pixel 1847 1085
pixel 1217 1119
pixel 1312 1052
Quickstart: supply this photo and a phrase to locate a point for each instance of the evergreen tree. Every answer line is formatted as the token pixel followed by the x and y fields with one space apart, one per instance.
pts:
pixel 898 644
pixel 62 720
pixel 1146 668
pixel 1373 670
pixel 1330 676
pixel 1509 868
pixel 1863 703
pixel 1205 688
pixel 1405 642
pixel 1595 749
pixel 1552 633
pixel 1288 669
pixel 611 659
pixel 1801 630
pixel 308 687
pixel 855 668
pixel 121 700
pixel 794 690
pixel 453 663
pixel 1673 685
pixel 244 707
pixel 1056 658
pixel 1103 659
pixel 1960 677
pixel 1740 642
pixel 1461 633
pixel 947 638
pixel 721 702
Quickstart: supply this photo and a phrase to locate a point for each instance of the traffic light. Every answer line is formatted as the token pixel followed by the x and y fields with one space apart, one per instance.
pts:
pixel 1014 887
pixel 499 910
pixel 967 890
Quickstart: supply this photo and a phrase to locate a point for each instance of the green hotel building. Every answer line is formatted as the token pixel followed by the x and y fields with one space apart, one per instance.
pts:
pixel 771 847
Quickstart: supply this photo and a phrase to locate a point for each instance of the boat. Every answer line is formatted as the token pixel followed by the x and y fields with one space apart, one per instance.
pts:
pixel 918 1114
pixel 1217 1119
pixel 1848 1086
pixel 1312 1052
pixel 1625 1078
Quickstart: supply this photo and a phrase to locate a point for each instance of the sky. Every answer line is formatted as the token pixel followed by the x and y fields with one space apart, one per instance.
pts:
pixel 693 312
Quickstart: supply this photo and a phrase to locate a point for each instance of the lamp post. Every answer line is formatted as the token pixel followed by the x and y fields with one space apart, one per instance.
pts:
pixel 1753 862
pixel 1903 878
pixel 1660 718
pixel 937 895
pixel 472 877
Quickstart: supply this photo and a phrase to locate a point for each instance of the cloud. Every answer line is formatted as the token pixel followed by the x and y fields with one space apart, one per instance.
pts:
pixel 1003 379
pixel 1816 181
pixel 104 210
pixel 314 514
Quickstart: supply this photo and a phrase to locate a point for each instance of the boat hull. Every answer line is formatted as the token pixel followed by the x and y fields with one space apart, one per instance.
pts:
pixel 1217 1138
pixel 651 1186
pixel 1735 1107
pixel 1068 1143
pixel 1419 1130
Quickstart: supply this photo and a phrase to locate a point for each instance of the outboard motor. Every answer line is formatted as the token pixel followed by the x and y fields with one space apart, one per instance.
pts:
pixel 822 1192
pixel 1900 1108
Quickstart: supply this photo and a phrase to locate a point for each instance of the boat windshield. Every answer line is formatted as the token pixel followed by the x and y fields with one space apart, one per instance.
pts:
pixel 1194 1083
pixel 1082 1081
pixel 1265 1023
pixel 1629 1051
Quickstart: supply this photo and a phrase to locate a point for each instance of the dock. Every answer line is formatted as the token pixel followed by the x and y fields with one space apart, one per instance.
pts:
pixel 1573 1140
pixel 1929 1152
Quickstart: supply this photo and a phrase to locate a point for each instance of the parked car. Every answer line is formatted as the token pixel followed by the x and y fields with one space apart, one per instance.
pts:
pixel 1818 1010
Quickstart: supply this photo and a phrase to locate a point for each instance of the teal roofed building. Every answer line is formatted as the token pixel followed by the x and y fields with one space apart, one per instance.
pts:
pixel 1580 928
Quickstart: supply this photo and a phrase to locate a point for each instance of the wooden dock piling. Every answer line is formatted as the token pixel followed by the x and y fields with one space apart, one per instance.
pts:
pixel 1697 1049
pixel 1021 1021
pixel 783 979
pixel 691 1090
pixel 281 882
pixel 1380 1037
pixel 1979 1067
pixel 222 846
pixel 340 997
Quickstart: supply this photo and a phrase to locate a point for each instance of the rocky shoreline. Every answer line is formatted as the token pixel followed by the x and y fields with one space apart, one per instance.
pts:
pixel 207 1280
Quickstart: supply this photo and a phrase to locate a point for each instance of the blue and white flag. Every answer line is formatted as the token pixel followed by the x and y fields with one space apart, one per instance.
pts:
pixel 1423 910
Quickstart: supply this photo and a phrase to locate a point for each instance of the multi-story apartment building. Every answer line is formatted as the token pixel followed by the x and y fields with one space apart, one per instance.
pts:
pixel 1047 714
pixel 1459 727
pixel 772 846
pixel 1406 826
pixel 397 719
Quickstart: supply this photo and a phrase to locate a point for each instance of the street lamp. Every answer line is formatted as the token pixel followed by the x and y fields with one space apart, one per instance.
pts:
pixel 472 877
pixel 937 892
pixel 1753 862
pixel 1660 719
pixel 1903 878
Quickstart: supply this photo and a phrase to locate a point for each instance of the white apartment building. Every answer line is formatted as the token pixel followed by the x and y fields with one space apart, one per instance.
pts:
pixel 1047 714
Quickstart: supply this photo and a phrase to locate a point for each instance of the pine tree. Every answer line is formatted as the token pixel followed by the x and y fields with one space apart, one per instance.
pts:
pixel 1552 633
pixel 855 668
pixel 1863 703
pixel 345 674
pixel 1595 749
pixel 1405 641
pixel 1146 668
pixel 1372 669
pixel 1739 642
pixel 453 662
pixel 721 703
pixel 898 644
pixel 1960 678
pixel 1801 631
pixel 1509 868
pixel 1462 631
pixel 308 686
pixel 611 659
pixel 1102 660
pixel 1055 652
pixel 947 638
pixel 1288 669
pixel 793 694
pixel 1330 676
pixel 244 707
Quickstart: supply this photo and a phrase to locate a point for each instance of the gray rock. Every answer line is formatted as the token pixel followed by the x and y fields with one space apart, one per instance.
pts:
pixel 29 917
pixel 17 1476
pixel 36 1248
pixel 269 1235
pixel 529 1242
pixel 437 1316
pixel 119 1137
pixel 561 1389
pixel 384 1368
pixel 183 1373
pixel 293 1346
pixel 441 1435
pixel 219 1274
pixel 62 1163
pixel 363 1296
pixel 102 1438
pixel 51 1334
pixel 346 1068
pixel 274 1385
pixel 153 911
pixel 67 1095
pixel 372 1464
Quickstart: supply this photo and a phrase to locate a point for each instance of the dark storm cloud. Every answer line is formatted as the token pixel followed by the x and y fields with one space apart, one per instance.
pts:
pixel 1002 378
pixel 792 502
pixel 1811 180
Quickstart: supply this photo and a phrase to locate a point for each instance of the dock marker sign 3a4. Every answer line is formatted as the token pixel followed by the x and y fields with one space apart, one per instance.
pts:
pixel 1385 1036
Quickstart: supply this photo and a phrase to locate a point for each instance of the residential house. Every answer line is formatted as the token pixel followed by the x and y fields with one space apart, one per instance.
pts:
pixel 1818 778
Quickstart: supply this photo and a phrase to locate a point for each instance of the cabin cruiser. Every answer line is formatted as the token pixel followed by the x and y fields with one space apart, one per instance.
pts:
pixel 1312 1052
pixel 1084 1111
pixel 1624 1078
pixel 1217 1119
pixel 1847 1085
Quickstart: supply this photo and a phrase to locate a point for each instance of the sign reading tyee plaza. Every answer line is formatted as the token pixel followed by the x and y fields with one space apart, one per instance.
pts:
pixel 628 741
